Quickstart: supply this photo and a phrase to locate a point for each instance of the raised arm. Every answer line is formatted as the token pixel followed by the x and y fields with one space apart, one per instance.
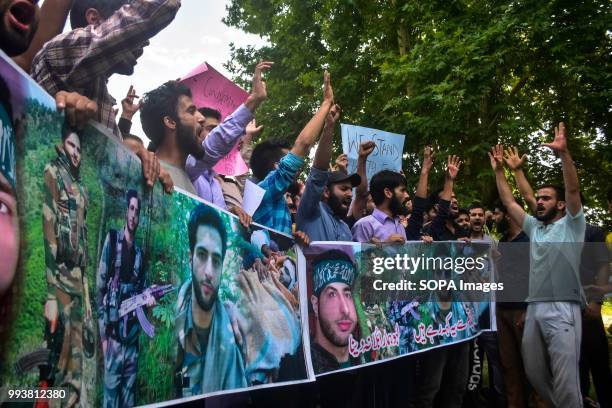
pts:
pixel 111 42
pixel 308 136
pixel 358 204
pixel 415 223
pixel 452 169
pixel 515 162
pixel 53 18
pixel 505 194
pixel 453 165
pixel 421 190
pixel 224 137
pixel 570 177
pixel 324 149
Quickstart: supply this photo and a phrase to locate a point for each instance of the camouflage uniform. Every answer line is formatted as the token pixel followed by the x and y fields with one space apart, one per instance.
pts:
pixel 121 355
pixel 65 233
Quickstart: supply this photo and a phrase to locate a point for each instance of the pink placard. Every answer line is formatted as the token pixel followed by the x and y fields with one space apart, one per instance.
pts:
pixel 211 89
pixel 232 164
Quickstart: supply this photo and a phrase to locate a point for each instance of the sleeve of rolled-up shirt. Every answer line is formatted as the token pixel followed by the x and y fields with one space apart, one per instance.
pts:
pixel 111 42
pixel 278 181
pixel 309 203
pixel 219 142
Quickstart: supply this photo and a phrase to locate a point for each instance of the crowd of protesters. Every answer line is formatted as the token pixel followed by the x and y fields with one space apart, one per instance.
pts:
pixel 546 349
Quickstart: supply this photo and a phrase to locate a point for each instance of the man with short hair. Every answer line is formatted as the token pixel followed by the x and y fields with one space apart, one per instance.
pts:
pixel 173 124
pixel 334 310
pixel 120 276
pixel 65 232
pixel 388 190
pixel 551 339
pixel 208 357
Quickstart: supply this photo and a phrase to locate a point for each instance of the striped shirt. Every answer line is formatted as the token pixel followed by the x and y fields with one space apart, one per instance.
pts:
pixel 83 59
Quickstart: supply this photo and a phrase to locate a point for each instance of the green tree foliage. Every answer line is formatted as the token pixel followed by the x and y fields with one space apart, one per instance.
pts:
pixel 461 75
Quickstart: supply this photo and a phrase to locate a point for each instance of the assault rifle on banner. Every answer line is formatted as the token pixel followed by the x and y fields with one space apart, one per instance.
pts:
pixel 136 303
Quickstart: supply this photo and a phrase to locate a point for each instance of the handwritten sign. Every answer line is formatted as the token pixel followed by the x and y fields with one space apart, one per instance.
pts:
pixel 386 156
pixel 232 164
pixel 212 90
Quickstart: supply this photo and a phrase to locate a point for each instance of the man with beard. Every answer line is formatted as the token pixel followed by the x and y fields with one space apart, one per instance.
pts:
pixel 462 223
pixel 388 189
pixel 65 233
pixel 173 124
pixel 120 276
pixel 219 138
pixel 208 357
pixel 552 334
pixel 334 310
pixel 327 197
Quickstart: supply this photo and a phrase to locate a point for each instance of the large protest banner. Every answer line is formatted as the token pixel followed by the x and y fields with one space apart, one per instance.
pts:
pixel 386 156
pixel 370 303
pixel 128 296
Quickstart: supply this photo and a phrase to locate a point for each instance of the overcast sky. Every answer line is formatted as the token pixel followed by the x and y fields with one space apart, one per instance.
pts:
pixel 196 35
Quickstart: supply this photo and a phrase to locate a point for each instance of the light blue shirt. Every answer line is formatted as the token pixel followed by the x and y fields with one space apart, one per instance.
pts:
pixel 555 252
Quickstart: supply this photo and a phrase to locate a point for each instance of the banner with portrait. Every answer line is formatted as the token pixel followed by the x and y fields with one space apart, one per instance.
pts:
pixel 371 303
pixel 129 296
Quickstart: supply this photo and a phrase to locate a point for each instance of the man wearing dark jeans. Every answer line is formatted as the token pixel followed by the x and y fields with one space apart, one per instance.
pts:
pixel 594 357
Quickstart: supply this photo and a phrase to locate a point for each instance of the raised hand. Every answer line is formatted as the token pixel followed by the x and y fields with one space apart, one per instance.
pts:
pixel 496 156
pixel 366 148
pixel 252 130
pixel 427 159
pixel 513 159
pixel 259 92
pixel 328 92
pixel 129 108
pixel 342 162
pixel 452 166
pixel 559 145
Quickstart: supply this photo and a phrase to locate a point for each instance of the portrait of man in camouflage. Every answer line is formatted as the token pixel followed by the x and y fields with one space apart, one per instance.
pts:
pixel 209 359
pixel 65 233
pixel 120 276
